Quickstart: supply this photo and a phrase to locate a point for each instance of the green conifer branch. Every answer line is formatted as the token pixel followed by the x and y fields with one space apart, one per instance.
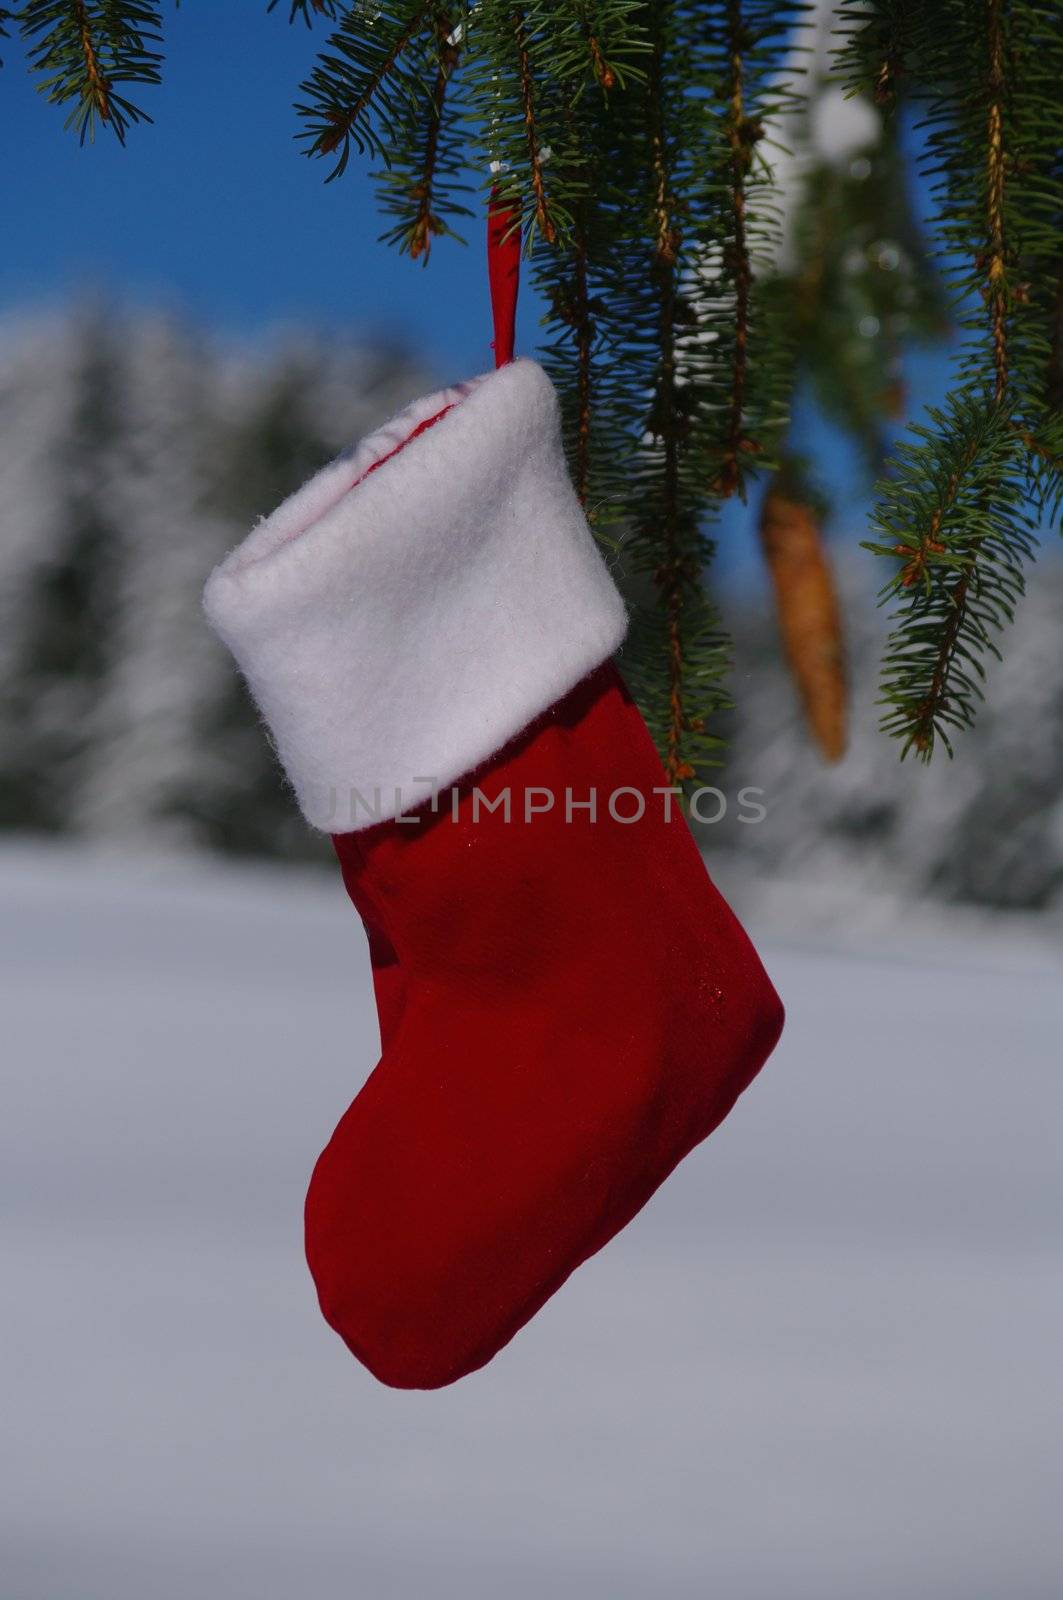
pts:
pixel 308 10
pixel 541 212
pixel 570 280
pixel 363 83
pixel 955 514
pixel 425 184
pixel 744 44
pixel 673 573
pixel 662 390
pixel 739 135
pixel 993 151
pixel 83 50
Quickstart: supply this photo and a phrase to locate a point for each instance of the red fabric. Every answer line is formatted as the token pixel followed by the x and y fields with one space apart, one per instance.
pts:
pixel 503 272
pixel 566 1009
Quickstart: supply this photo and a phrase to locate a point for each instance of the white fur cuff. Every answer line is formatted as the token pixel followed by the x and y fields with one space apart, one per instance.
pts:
pixel 398 626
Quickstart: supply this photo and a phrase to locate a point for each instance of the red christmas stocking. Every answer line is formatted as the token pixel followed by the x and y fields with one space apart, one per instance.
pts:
pixel 567 1005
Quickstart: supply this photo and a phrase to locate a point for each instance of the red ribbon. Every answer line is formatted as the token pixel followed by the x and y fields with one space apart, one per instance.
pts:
pixel 503 271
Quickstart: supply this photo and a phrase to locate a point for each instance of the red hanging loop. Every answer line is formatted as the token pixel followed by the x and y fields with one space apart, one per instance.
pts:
pixel 503 271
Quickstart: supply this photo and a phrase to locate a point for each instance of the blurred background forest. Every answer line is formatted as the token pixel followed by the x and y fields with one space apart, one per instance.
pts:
pixel 135 451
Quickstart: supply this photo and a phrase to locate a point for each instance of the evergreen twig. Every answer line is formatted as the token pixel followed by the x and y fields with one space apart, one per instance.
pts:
pixel 738 136
pixel 83 50
pixel 543 220
pixel 960 506
pixel 361 85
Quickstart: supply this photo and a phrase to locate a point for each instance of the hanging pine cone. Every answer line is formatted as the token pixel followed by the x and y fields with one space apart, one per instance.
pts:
pixel 809 617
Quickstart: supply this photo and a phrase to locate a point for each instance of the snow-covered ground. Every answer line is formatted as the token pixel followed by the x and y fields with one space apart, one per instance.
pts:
pixel 823 1363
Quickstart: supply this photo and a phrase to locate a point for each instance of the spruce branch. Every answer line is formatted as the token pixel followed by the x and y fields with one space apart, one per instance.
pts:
pixel 925 718
pixel 1054 364
pixel 424 184
pixel 739 133
pixel 876 42
pixel 996 264
pixel 584 344
pixel 986 76
pixel 84 49
pixel 576 311
pixel 673 573
pixel 426 223
pixel 600 40
pixel 543 219
pixel 362 86
pixel 309 9
pixel 569 278
pixel 955 513
pixel 666 276
pixel 602 70
pixel 663 335
pixel 744 43
pixel 528 68
pixel 612 42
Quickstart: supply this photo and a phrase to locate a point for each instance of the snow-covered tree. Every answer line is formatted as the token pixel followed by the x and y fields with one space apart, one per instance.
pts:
pixel 133 457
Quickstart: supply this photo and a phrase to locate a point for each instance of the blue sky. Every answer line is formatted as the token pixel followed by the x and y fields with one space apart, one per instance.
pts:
pixel 214 210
